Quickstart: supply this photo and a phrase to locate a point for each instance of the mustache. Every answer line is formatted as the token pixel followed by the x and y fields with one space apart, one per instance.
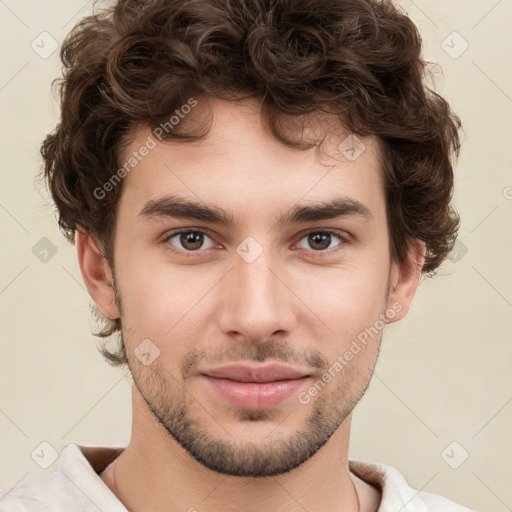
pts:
pixel 258 352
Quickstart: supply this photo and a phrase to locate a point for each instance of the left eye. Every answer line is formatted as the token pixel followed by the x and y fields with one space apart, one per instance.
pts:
pixel 322 239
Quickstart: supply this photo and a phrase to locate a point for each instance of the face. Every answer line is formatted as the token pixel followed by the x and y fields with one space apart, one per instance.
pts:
pixel 195 294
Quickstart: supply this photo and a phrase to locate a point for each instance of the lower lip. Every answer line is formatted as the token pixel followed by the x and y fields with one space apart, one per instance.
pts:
pixel 253 395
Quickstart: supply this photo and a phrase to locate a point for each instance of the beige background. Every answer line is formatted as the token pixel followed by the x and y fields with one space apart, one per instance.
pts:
pixel 444 372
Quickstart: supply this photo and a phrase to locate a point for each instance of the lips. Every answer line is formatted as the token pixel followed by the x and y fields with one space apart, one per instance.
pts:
pixel 255 387
pixel 247 373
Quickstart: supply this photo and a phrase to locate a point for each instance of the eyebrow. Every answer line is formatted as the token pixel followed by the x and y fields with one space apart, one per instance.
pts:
pixel 173 206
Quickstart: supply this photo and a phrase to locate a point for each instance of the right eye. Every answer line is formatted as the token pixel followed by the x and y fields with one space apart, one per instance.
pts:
pixel 191 240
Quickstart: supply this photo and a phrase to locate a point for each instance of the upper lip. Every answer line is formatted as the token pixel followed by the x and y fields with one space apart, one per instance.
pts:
pixel 263 373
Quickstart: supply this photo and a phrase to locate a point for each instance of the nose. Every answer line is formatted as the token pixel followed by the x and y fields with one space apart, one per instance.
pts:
pixel 257 302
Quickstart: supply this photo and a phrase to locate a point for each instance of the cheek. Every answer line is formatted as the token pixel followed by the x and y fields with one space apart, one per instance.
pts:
pixel 166 302
pixel 348 299
pixel 149 293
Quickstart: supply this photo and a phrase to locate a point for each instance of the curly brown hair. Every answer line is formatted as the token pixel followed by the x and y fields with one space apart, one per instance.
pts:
pixel 137 62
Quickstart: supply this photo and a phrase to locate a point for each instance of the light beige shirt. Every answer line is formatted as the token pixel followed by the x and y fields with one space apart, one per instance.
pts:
pixel 77 487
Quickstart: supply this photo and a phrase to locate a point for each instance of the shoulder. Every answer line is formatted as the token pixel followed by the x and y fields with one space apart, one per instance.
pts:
pixel 396 494
pixel 49 493
pixel 75 486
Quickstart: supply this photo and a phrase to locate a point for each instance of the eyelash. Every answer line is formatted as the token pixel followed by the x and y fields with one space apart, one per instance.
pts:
pixel 343 238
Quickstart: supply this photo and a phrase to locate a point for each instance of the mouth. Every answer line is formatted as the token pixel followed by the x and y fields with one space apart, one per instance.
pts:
pixel 256 374
pixel 255 387
pixel 254 395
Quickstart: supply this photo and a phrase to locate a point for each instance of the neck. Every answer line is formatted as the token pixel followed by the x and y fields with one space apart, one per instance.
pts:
pixel 155 473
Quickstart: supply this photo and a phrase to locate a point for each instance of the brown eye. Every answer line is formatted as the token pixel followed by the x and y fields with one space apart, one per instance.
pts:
pixel 188 240
pixel 321 241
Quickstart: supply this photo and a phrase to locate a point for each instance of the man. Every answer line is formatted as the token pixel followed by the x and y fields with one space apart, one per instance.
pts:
pixel 255 189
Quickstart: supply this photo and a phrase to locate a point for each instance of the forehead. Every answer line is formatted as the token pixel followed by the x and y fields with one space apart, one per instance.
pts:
pixel 241 167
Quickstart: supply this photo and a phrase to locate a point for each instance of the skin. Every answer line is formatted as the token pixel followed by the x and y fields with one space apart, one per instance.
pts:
pixel 300 303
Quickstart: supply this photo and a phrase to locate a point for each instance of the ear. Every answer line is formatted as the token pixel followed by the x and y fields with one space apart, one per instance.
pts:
pixel 404 281
pixel 97 275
